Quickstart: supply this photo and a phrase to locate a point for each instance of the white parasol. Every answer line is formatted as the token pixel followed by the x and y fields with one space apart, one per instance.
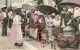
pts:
pixel 16 5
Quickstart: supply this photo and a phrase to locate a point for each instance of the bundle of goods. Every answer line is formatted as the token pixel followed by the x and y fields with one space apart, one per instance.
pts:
pixel 56 31
pixel 68 39
pixel 68 42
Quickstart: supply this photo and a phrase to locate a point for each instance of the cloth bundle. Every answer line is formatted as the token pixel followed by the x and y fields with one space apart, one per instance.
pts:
pixel 33 32
pixel 56 31
pixel 67 42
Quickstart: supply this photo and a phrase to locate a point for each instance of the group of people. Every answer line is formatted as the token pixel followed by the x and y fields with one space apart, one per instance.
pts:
pixel 17 21
pixel 11 20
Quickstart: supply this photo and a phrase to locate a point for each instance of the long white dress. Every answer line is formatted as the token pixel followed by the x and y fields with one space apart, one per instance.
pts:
pixel 16 32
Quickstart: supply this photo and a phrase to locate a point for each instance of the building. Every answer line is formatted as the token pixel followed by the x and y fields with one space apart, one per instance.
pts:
pixel 9 2
pixel 49 2
pixel 46 2
pixel 30 2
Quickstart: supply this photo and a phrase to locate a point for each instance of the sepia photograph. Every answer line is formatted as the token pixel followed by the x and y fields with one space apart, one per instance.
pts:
pixel 39 24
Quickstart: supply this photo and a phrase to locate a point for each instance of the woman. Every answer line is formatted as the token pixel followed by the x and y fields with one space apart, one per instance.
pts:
pixel 16 33
pixel 39 26
pixel 36 15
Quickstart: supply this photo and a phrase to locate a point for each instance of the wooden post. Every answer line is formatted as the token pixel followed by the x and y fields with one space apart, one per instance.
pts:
pixel 6 3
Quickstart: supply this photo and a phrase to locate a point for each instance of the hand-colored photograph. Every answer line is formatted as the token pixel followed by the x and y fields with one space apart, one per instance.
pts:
pixel 39 24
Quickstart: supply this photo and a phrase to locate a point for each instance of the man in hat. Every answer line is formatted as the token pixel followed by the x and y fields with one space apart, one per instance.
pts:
pixel 5 22
pixel 49 23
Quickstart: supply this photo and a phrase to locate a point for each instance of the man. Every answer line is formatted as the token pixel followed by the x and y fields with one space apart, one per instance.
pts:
pixel 49 23
pixel 5 22
pixel 24 21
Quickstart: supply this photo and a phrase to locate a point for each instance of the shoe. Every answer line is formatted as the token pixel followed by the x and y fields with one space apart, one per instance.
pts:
pixel 16 44
pixel 5 35
pixel 2 34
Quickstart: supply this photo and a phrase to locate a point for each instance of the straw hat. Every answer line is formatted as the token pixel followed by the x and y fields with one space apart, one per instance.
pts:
pixel 53 14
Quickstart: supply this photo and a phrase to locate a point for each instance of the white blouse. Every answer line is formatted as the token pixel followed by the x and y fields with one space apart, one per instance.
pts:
pixel 56 23
pixel 49 21
pixel 17 19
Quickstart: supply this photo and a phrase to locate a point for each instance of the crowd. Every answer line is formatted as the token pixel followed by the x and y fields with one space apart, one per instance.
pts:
pixel 34 24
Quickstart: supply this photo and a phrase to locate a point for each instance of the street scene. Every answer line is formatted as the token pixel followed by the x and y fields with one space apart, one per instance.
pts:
pixel 39 24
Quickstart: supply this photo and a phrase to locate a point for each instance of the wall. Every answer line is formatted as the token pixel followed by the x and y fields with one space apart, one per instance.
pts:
pixel 9 2
pixel 30 2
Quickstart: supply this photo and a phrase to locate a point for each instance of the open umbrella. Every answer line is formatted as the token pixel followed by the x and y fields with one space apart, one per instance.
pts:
pixel 74 3
pixel 47 10
pixel 70 2
pixel 27 7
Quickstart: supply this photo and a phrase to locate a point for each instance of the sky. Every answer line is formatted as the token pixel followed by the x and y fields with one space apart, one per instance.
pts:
pixel 12 1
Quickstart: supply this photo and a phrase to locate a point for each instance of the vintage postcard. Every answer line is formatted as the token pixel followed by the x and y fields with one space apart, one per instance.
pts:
pixel 39 24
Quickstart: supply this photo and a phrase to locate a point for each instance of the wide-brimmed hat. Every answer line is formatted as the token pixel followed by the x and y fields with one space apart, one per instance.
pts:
pixel 53 14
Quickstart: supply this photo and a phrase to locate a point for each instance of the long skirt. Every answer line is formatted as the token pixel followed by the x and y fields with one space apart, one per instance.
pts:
pixel 39 25
pixel 16 34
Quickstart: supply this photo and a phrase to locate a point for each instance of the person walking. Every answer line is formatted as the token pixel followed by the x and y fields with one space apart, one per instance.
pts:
pixel 39 26
pixel 24 21
pixel 16 32
pixel 5 22
pixel 49 23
